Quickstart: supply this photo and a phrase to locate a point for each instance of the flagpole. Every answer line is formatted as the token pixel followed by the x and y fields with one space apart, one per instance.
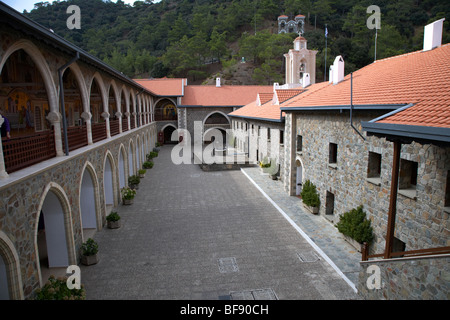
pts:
pixel 326 36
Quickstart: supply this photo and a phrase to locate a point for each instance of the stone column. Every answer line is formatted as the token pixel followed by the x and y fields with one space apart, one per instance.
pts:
pixel 87 116
pixel 105 116
pixel 3 173
pixel 55 121
pixel 289 154
pixel 119 116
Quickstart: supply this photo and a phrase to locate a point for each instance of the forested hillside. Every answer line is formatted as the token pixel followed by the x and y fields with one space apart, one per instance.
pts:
pixel 183 38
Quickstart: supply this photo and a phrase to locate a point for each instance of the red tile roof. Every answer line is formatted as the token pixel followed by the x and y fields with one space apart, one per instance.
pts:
pixel 212 96
pixel 267 110
pixel 421 78
pixel 164 86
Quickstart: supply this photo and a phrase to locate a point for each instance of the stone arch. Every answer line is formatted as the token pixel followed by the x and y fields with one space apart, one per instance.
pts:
pixel 218 112
pixel 41 64
pixel 210 133
pixel 166 110
pixel 300 175
pixel 167 130
pixel 9 270
pixel 55 206
pixel 110 178
pixel 122 167
pixel 131 158
pixel 89 199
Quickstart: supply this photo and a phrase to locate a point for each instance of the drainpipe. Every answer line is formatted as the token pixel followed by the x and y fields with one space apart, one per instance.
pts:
pixel 61 96
pixel 351 107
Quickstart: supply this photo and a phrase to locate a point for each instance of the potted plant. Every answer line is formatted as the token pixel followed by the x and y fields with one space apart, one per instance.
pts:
pixel 113 220
pixel 310 197
pixel 142 173
pixel 355 227
pixel 89 251
pixel 128 195
pixel 147 164
pixel 57 289
pixel 133 182
pixel 152 154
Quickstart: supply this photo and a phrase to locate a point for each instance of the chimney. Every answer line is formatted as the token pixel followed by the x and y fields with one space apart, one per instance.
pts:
pixel 338 70
pixel 306 81
pixel 330 75
pixel 432 36
pixel 218 82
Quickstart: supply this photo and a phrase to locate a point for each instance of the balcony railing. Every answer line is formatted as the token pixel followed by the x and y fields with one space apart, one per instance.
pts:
pixel 77 137
pixel 19 153
pixel 125 124
pixel 114 127
pixel 98 131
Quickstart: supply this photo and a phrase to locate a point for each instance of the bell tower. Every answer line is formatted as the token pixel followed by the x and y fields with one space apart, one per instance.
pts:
pixel 299 62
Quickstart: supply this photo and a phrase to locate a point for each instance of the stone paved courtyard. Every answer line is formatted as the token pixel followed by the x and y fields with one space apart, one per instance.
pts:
pixel 194 235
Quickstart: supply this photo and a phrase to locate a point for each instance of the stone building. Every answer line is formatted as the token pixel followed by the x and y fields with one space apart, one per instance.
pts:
pixel 78 130
pixel 325 143
pixel 297 25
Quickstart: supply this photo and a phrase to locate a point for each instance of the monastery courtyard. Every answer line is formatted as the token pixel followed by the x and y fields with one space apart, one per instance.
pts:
pixel 201 235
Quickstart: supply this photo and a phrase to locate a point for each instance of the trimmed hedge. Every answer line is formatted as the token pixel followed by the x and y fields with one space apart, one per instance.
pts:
pixel 354 224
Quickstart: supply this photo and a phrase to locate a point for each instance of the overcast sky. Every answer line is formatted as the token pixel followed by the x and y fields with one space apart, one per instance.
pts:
pixel 21 5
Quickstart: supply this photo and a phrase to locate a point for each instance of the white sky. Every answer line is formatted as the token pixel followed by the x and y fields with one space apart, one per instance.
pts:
pixel 21 5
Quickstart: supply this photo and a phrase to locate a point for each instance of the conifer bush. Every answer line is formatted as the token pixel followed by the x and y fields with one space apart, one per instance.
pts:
pixel 354 224
pixel 309 194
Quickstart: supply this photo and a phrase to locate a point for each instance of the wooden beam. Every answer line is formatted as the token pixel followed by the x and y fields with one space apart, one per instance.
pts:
pixel 393 200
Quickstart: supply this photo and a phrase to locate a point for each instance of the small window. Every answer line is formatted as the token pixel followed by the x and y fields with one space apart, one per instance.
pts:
pixel 374 165
pixel 259 131
pixel 281 136
pixel 268 134
pixel 246 127
pixel 332 158
pixel 299 143
pixel 408 174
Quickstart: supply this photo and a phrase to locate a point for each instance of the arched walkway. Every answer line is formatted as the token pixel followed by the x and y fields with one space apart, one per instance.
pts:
pixel 109 177
pixel 10 277
pixel 167 131
pixel 54 234
pixel 89 202
pixel 299 177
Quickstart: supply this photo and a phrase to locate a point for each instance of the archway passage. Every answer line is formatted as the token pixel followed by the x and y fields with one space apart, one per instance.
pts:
pixel 88 205
pixel 98 123
pixel 299 178
pixel 108 185
pixel 51 237
pixel 168 135
pixel 24 103
pixel 114 120
pixel 121 169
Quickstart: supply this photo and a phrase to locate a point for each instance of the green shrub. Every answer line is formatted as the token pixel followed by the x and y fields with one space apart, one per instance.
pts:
pixel 90 247
pixel 56 289
pixel 147 164
pixel 113 216
pixel 354 224
pixel 134 180
pixel 152 154
pixel 309 194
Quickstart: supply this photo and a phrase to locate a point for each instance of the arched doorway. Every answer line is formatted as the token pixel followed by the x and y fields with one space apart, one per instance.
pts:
pixel 88 202
pixel 299 177
pixel 122 175
pixel 10 276
pixel 168 130
pixel 130 159
pixel 108 183
pixel 215 120
pixel 54 235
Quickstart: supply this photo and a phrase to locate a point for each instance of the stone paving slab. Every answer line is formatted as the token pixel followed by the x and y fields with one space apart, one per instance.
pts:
pixel 183 221
pixel 320 231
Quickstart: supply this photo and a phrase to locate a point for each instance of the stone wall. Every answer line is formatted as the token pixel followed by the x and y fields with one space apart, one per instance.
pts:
pixel 425 278
pixel 23 193
pixel 258 145
pixel 422 221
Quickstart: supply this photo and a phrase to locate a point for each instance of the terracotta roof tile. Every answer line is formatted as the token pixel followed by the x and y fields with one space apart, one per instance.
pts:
pixel 209 95
pixel 421 78
pixel 163 86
